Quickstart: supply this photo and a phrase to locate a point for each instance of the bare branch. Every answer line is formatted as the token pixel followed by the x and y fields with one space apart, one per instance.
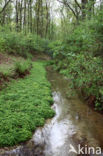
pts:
pixel 5 6
pixel 77 4
pixel 66 4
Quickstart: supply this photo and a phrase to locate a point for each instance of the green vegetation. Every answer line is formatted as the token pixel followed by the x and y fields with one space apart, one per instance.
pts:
pixel 12 68
pixel 24 105
pixel 6 70
pixel 21 45
pixel 15 68
pixel 74 39
pixel 22 68
pixel 79 57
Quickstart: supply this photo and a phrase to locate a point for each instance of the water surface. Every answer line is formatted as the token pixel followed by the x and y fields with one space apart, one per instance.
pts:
pixel 74 123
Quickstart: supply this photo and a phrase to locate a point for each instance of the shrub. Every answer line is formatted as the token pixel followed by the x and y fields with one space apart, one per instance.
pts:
pixel 19 44
pixel 79 57
pixel 22 68
pixel 85 73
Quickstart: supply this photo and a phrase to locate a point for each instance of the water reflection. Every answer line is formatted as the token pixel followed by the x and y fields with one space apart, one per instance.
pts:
pixel 74 123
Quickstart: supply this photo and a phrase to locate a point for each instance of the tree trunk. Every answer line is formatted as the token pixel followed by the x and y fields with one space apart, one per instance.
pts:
pixel 24 23
pixel 38 16
pixel 84 3
pixel 47 19
pixel 21 15
pixel 17 15
pixel 28 16
pixel 42 19
pixel 31 16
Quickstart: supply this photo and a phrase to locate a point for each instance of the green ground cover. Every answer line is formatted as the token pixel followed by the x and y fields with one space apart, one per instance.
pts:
pixel 24 105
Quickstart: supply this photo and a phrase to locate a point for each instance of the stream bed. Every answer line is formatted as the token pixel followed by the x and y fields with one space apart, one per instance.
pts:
pixel 74 124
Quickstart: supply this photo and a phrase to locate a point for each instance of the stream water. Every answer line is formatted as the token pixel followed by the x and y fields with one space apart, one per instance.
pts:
pixel 74 123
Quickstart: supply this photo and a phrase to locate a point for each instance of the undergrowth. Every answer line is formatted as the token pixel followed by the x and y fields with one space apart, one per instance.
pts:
pixel 19 44
pixel 80 57
pixel 25 105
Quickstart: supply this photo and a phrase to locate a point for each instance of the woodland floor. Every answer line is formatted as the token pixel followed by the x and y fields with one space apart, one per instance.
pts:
pixel 24 104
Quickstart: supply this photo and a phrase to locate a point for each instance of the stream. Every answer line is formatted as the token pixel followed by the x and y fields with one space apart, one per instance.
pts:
pixel 74 123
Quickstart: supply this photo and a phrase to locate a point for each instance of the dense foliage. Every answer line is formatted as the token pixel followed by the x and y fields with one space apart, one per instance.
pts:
pixel 21 68
pixel 74 39
pixel 20 44
pixel 79 57
pixel 25 105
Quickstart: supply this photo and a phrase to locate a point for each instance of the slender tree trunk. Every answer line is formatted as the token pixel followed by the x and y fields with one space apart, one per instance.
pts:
pixel 38 16
pixel 101 4
pixel 24 23
pixel 84 3
pixel 17 15
pixel 28 16
pixel 42 19
pixel 47 18
pixel 31 16
pixel 21 15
